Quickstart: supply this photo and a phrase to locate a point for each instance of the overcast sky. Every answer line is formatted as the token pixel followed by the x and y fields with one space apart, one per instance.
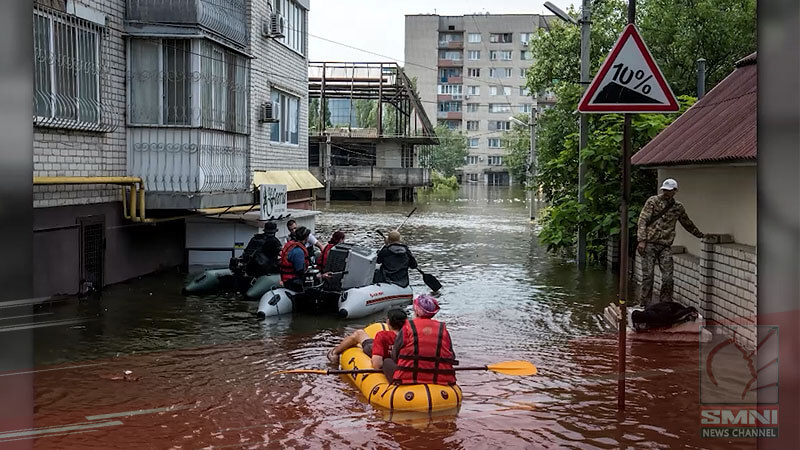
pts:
pixel 378 26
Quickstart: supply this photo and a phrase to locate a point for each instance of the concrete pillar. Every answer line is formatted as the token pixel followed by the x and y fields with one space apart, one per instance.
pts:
pixel 378 194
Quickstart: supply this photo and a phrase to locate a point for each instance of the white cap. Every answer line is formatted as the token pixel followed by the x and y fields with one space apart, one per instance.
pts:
pixel 669 184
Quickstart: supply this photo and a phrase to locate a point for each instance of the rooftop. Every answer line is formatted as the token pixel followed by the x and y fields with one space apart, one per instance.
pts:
pixel 718 128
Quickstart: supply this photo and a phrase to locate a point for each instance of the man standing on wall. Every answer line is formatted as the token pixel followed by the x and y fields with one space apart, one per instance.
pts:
pixel 656 232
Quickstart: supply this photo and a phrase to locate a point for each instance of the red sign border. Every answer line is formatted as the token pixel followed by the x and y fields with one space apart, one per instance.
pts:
pixel 585 107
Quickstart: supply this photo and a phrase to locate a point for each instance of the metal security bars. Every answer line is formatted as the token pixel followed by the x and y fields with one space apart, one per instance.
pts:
pixel 70 75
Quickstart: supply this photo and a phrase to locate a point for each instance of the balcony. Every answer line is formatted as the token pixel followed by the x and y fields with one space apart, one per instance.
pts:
pixel 451 63
pixel 371 176
pixel 449 115
pixel 455 80
pixel 226 19
pixel 187 168
pixel 451 44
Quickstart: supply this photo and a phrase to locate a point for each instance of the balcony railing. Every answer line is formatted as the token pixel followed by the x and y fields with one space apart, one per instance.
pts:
pixel 370 176
pixel 451 44
pixel 188 160
pixel 451 63
pixel 227 18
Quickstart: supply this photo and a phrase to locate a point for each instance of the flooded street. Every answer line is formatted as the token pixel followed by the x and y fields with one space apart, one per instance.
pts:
pixel 199 365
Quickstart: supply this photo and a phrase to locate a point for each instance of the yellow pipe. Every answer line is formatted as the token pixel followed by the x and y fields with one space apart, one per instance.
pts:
pixel 86 180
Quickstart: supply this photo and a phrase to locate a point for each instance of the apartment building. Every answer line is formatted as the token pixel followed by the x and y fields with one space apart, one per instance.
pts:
pixel 470 73
pixel 148 113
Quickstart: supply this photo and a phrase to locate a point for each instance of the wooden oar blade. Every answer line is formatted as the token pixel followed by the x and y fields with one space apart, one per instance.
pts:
pixel 314 371
pixel 519 368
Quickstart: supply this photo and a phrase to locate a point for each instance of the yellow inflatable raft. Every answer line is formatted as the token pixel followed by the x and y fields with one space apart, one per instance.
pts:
pixel 407 397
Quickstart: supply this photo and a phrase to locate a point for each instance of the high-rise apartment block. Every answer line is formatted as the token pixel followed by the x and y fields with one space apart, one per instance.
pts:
pixel 470 73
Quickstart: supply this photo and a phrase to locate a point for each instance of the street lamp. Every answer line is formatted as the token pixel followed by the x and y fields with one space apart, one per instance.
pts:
pixel 531 123
pixel 584 22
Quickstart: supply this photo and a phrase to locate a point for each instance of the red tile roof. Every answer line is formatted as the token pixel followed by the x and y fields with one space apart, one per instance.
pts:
pixel 720 127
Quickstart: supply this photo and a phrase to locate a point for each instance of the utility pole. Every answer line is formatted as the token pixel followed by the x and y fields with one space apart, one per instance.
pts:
pixel 532 165
pixel 327 169
pixel 701 78
pixel 585 23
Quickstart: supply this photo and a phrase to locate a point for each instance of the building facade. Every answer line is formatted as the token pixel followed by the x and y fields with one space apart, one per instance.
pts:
pixel 147 112
pixel 471 76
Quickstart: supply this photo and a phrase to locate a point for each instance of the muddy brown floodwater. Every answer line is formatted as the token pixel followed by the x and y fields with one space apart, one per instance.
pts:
pixel 197 366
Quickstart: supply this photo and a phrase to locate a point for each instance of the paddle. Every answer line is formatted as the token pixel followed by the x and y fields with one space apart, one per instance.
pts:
pixel 404 222
pixel 427 278
pixel 517 368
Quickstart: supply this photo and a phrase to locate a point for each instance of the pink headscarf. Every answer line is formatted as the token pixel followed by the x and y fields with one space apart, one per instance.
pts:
pixel 425 306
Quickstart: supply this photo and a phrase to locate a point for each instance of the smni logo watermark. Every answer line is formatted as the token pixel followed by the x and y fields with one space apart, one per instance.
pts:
pixel 739 382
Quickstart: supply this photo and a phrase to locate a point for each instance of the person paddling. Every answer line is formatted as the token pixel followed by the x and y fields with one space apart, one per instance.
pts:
pixel 378 348
pixel 422 351
pixel 395 259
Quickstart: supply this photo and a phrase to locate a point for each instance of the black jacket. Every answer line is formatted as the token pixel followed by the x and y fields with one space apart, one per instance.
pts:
pixel 261 255
pixel 395 260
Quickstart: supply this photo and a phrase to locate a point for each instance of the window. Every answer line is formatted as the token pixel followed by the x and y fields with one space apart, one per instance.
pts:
pixel 503 72
pixel 473 125
pixel 472 107
pixel 501 55
pixel 474 142
pixel 495 160
pixel 499 107
pixel 450 37
pixel 449 106
pixel 523 72
pixel 500 90
pixel 451 89
pixel 473 90
pixel 453 124
pixel 474 55
pixel 451 55
pixel 494 143
pixel 288 113
pixel 500 38
pixel 524 38
pixel 474 38
pixel 167 99
pixel 295 29
pixel 474 73
pixel 446 74
pixel 524 91
pixel 499 125
pixel 525 55
pixel 472 160
pixel 525 108
pixel 66 71
pixel 472 177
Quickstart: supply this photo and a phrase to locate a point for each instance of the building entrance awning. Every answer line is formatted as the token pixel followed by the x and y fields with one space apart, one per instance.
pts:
pixel 295 180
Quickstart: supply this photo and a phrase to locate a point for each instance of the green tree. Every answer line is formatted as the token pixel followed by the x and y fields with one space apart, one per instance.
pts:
pixel 313 116
pixel 677 33
pixel 449 155
pixel 517 142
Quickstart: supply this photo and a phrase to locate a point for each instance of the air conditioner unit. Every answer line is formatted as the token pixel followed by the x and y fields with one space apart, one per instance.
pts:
pixel 268 112
pixel 466 97
pixel 277 25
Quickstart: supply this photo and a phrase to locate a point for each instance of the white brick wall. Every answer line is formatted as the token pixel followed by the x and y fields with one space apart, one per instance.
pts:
pixel 275 64
pixel 59 152
pixel 728 296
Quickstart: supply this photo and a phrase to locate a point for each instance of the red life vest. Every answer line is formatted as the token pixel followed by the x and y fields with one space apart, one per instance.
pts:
pixel 426 355
pixel 285 266
pixel 323 257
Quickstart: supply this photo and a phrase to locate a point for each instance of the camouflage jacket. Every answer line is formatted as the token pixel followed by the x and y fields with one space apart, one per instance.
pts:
pixel 662 231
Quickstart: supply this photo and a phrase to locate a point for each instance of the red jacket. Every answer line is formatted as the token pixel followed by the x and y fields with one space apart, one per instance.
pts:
pixel 323 257
pixel 425 354
pixel 285 266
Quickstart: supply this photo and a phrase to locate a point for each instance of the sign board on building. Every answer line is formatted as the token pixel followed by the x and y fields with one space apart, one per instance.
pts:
pixel 273 201
pixel 629 81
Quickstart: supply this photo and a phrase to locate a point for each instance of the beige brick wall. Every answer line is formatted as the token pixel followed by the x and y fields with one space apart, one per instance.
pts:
pixel 60 152
pixel 275 65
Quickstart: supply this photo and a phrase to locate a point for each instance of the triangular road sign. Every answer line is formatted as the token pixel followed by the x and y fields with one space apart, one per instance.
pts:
pixel 629 81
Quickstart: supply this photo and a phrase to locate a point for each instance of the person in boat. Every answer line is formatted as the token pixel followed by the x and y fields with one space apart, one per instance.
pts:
pixel 291 225
pixel 378 348
pixel 294 261
pixel 336 238
pixel 655 233
pixel 422 351
pixel 395 259
pixel 263 258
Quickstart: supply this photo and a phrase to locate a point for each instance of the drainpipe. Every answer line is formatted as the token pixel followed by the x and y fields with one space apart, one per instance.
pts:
pixel 701 78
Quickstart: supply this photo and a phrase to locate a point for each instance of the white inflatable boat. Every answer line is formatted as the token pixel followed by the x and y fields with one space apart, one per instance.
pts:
pixel 688 331
pixel 348 292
